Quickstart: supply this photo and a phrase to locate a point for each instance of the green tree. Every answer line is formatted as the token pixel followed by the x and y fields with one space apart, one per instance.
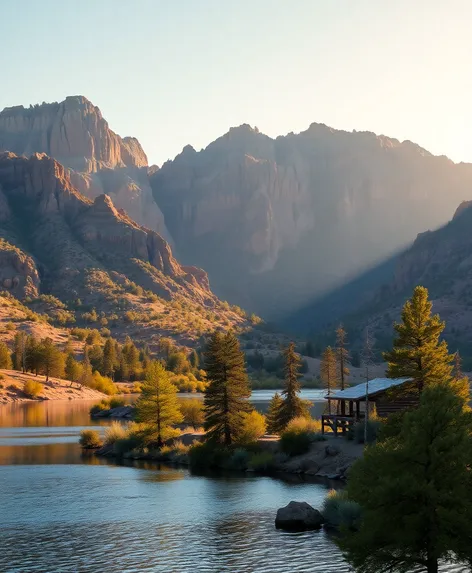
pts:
pixel 417 351
pixel 5 358
pixel 33 355
pixel 51 359
pixel 130 355
pixel 192 411
pixel 329 370
pixel 158 405
pixel 109 358
pixel 19 351
pixel 194 359
pixel 72 369
pixel 227 393
pixel 415 490
pixel 342 356
pixel 86 376
pixel 273 414
pixel 292 405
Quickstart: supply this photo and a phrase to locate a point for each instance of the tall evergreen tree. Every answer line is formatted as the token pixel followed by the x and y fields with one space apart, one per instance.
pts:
pixel 273 414
pixel 415 490
pixel 32 355
pixel 329 372
pixel 86 376
pixel 109 358
pixel 292 406
pixel 417 351
pixel 5 358
pixel 72 369
pixel 342 356
pixel 227 393
pixel 158 405
pixel 19 351
pixel 51 359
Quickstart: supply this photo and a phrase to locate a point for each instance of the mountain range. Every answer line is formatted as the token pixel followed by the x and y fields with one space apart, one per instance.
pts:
pixel 304 229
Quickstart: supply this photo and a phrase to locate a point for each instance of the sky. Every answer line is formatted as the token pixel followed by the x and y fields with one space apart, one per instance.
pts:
pixel 178 72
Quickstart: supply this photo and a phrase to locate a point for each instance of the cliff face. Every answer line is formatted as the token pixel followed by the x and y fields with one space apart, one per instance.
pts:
pixel 97 159
pixel 68 234
pixel 291 218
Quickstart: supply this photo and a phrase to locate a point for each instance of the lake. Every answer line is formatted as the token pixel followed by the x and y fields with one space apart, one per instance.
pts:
pixel 62 512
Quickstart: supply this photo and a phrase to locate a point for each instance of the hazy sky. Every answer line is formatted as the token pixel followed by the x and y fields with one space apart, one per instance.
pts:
pixel 183 71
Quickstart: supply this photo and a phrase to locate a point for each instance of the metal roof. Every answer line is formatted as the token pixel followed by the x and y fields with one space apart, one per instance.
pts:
pixel 375 386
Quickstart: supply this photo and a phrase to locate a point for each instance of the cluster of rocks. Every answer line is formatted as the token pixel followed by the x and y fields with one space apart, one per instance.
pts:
pixel 118 413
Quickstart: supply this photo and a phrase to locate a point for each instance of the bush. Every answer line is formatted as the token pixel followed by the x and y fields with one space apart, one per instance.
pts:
pixel 262 462
pixel 239 460
pixel 208 455
pixel 117 402
pixel 90 439
pixel 114 433
pixel 295 443
pixel 304 424
pixel 32 388
pixel 373 428
pixel 100 407
pixel 253 427
pixel 192 411
pixel 102 384
pixel 340 512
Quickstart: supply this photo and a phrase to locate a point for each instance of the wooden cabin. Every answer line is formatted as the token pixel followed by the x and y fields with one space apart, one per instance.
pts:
pixel 346 407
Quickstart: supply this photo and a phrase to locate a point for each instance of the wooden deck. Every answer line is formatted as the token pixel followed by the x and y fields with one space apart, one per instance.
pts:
pixel 338 424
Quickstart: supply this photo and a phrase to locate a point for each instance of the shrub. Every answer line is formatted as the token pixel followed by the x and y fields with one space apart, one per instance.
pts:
pixel 102 384
pixel 117 402
pixel 100 407
pixel 90 439
pixel 303 424
pixel 239 460
pixel 114 433
pixel 262 462
pixel 340 512
pixel 253 427
pixel 373 428
pixel 208 455
pixel 192 411
pixel 295 443
pixel 32 388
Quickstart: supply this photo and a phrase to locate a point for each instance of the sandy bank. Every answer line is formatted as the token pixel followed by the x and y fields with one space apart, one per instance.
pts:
pixel 12 383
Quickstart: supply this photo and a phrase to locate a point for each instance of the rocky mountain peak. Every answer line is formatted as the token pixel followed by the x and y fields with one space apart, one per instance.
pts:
pixel 96 159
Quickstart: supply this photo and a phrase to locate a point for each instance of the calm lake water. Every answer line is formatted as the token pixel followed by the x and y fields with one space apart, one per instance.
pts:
pixel 62 512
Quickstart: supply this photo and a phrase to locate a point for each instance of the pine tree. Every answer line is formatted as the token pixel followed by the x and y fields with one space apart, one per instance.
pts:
pixel 273 414
pixel 72 369
pixel 292 406
pixel 51 359
pixel 227 393
pixel 32 355
pixel 415 490
pixel 86 376
pixel 19 351
pixel 158 405
pixel 329 370
pixel 194 359
pixel 457 368
pixel 342 356
pixel 417 351
pixel 109 358
pixel 5 358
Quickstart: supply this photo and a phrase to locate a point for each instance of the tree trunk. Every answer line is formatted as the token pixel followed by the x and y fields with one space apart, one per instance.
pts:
pixel 432 565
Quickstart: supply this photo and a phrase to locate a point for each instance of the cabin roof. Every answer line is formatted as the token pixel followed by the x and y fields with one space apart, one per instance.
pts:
pixel 376 386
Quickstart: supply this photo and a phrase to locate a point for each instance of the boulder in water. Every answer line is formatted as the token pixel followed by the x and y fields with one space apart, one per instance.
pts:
pixel 298 516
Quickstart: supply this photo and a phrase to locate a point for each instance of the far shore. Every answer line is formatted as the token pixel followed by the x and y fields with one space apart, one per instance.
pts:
pixel 12 384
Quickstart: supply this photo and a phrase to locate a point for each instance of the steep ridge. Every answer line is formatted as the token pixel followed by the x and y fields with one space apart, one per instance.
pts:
pixel 440 260
pixel 97 159
pixel 278 223
pixel 90 254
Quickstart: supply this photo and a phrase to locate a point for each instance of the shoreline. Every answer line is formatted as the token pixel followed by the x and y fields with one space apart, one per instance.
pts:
pixel 12 389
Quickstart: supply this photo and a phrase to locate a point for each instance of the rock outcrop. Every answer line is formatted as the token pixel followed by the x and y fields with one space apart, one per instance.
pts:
pixel 278 222
pixel 298 516
pixel 69 235
pixel 96 159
